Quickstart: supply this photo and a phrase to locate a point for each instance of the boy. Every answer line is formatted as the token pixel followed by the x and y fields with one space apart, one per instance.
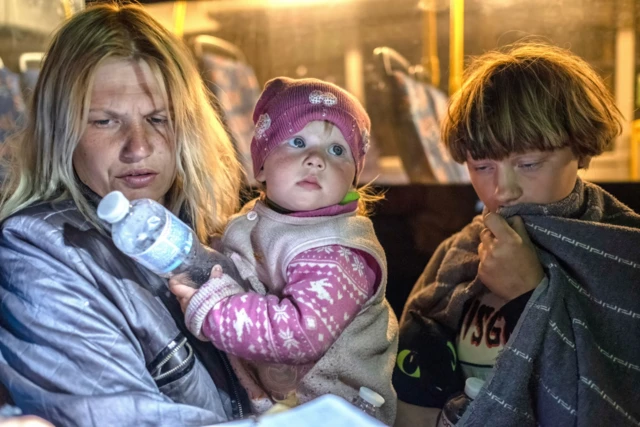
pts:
pixel 535 293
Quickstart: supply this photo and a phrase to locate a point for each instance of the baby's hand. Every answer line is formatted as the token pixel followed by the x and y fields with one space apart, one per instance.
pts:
pixel 183 292
pixel 216 272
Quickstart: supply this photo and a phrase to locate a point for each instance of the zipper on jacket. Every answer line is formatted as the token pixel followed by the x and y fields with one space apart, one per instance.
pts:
pixel 190 356
pixel 232 382
pixel 167 302
pixel 168 357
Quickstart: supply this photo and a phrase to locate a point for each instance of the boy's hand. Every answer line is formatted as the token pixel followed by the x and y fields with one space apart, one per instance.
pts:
pixel 509 265
pixel 183 292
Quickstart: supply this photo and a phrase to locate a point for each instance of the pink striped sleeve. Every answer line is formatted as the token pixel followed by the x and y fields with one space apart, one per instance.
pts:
pixel 326 288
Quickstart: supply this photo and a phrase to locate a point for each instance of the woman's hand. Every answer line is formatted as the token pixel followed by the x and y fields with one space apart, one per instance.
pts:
pixel 509 265
pixel 184 292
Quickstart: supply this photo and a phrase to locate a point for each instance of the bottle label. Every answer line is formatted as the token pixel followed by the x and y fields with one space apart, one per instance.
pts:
pixel 170 248
pixel 443 421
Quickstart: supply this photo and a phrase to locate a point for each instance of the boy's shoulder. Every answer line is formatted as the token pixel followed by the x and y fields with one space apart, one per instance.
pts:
pixel 603 207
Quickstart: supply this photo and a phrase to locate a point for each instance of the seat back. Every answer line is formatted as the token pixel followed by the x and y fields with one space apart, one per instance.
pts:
pixel 30 63
pixel 11 107
pixel 407 113
pixel 236 88
pixel 11 103
pixel 423 106
pixel 380 99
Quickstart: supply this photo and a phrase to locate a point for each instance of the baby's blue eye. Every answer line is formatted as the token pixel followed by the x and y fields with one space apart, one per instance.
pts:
pixel 297 142
pixel 336 150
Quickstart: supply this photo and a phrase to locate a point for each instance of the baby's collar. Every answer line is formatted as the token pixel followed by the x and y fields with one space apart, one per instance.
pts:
pixel 332 210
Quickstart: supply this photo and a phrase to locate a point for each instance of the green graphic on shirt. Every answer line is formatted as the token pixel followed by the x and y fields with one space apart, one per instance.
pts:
pixel 408 356
pixel 454 361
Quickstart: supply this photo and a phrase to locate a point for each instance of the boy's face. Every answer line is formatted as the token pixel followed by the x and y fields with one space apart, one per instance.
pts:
pixel 311 170
pixel 532 177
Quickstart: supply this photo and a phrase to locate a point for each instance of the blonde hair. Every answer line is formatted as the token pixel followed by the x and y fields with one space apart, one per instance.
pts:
pixel 206 187
pixel 368 197
pixel 530 96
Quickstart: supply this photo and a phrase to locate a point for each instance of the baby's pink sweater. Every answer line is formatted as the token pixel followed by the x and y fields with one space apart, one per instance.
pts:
pixel 326 288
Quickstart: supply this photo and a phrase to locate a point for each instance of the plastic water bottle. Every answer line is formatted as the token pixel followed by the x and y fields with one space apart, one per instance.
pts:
pixel 147 232
pixel 456 406
pixel 369 401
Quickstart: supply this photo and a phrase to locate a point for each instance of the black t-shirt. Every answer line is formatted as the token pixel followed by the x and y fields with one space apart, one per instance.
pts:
pixel 427 370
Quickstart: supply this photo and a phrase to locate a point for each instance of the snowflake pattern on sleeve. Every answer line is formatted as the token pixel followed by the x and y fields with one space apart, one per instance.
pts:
pixel 326 287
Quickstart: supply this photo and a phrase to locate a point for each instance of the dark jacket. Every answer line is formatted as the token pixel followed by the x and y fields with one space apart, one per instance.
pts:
pixel 88 337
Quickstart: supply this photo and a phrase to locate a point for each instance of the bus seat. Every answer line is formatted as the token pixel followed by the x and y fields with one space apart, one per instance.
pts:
pixel 379 99
pixel 11 102
pixel 30 63
pixel 411 127
pixel 235 86
pixel 424 106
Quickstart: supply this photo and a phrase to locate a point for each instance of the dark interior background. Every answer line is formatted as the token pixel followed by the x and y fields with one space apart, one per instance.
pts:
pixel 413 220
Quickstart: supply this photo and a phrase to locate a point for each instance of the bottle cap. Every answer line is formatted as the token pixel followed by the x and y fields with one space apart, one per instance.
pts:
pixel 472 387
pixel 371 396
pixel 113 207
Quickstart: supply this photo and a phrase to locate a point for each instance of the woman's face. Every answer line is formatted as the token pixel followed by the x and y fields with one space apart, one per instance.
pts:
pixel 127 145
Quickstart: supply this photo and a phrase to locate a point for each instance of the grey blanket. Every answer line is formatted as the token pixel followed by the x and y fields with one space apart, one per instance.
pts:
pixel 574 356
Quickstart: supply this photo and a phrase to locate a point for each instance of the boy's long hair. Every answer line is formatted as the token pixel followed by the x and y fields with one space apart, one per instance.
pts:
pixel 530 96
pixel 40 157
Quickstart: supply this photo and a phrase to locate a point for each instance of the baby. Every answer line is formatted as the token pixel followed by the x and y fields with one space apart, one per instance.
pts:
pixel 316 320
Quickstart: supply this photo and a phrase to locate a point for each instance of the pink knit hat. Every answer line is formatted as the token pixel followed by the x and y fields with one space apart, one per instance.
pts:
pixel 287 105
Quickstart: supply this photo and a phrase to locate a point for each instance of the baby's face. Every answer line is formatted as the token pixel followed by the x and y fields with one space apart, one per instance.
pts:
pixel 541 177
pixel 311 170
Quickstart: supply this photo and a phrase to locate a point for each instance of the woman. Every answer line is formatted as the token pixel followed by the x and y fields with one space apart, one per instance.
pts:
pixel 87 336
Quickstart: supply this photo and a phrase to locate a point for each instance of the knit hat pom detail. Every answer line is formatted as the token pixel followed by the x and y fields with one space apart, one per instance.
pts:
pixel 287 105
